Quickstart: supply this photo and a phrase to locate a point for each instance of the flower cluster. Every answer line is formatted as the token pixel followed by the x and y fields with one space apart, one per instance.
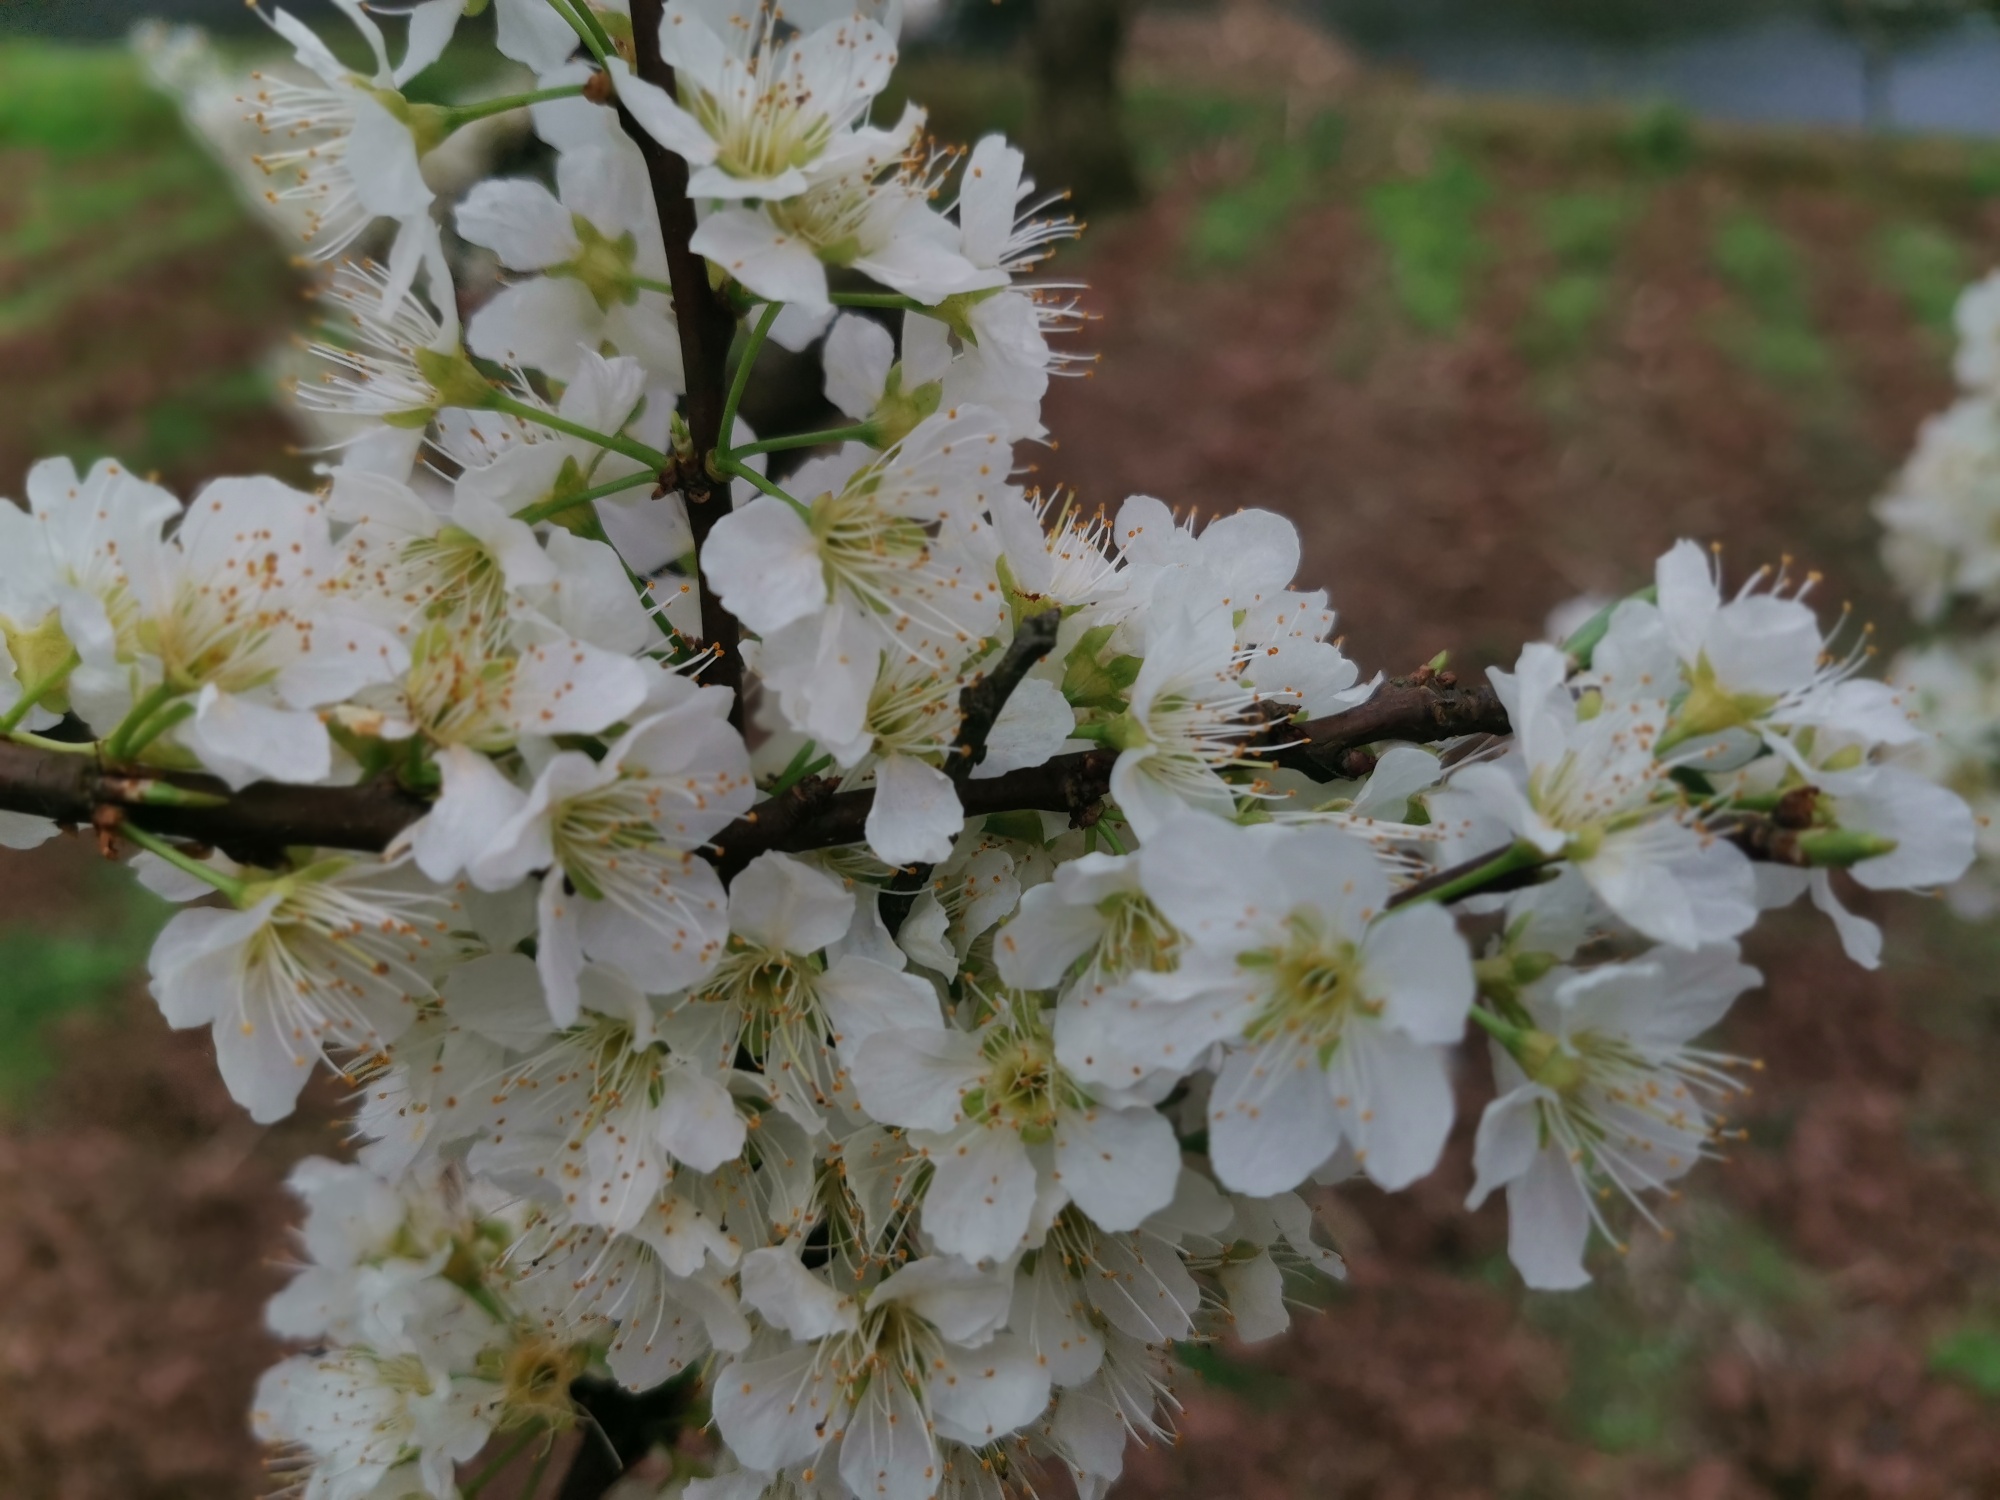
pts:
pixel 1941 544
pixel 914 1047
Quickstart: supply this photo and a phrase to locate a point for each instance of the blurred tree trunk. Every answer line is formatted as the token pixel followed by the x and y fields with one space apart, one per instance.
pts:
pixel 1076 136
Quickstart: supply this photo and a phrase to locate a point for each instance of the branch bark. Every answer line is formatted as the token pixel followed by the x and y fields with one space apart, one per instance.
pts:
pixel 71 788
pixel 979 707
pixel 621 1428
pixel 707 326
pixel 1402 709
pixel 254 823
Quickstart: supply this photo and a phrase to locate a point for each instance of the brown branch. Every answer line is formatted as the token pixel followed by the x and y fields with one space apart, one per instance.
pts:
pixel 980 704
pixel 621 1427
pixel 1423 708
pixel 1402 709
pixel 706 326
pixel 267 817
pixel 255 823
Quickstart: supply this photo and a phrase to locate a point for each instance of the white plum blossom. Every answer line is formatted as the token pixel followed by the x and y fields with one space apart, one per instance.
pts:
pixel 922 1358
pixel 602 265
pixel 798 1017
pixel 761 104
pixel 1006 1128
pixel 1585 783
pixel 1602 1090
pixel 615 838
pixel 335 957
pixel 1333 1012
pixel 362 1421
pixel 343 146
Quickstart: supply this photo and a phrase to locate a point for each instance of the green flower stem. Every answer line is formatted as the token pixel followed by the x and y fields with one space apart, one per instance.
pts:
pixel 894 301
pixel 156 726
pixel 1505 1033
pixel 1518 856
pixel 638 452
pixel 759 331
pixel 60 747
pixel 808 762
pixel 555 507
pixel 229 885
pixel 731 468
pixel 860 432
pixel 32 693
pixel 464 114
pixel 1102 829
pixel 652 284
pixel 119 745
pixel 586 29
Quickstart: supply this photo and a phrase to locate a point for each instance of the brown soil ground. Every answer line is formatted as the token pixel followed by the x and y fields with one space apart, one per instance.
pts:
pixel 1450 492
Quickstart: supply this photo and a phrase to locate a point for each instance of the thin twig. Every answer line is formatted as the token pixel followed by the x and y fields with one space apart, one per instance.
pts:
pixel 706 326
pixel 980 704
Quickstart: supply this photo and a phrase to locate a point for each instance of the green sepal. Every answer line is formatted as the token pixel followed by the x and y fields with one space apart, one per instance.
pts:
pixel 1091 683
pixel 42 655
pixel 455 378
pixel 955 312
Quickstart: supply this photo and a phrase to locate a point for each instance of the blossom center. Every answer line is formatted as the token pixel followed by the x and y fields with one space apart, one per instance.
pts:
pixel 1315 989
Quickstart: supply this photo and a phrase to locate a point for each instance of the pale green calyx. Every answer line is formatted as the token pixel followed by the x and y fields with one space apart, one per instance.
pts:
pixel 899 411
pixel 602 264
pixel 1709 708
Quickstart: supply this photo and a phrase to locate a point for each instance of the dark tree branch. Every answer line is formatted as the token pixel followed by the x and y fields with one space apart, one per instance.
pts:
pixel 979 707
pixel 1423 708
pixel 707 326
pixel 70 788
pixel 258 821
pixel 980 703
pixel 621 1428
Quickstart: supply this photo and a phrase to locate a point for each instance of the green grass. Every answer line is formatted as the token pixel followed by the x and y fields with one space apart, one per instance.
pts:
pixel 103 182
pixel 77 101
pixel 1927 267
pixel 51 975
pixel 1260 1388
pixel 1237 223
pixel 182 428
pixel 1635 1339
pixel 1771 328
pixel 1660 139
pixel 1429 228
pixel 1970 1355
pixel 1582 233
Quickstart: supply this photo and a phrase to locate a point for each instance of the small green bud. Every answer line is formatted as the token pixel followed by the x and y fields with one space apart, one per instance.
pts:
pixel 899 411
pixel 1838 848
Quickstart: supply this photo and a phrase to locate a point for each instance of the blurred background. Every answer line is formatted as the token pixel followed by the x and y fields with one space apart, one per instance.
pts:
pixel 1495 298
